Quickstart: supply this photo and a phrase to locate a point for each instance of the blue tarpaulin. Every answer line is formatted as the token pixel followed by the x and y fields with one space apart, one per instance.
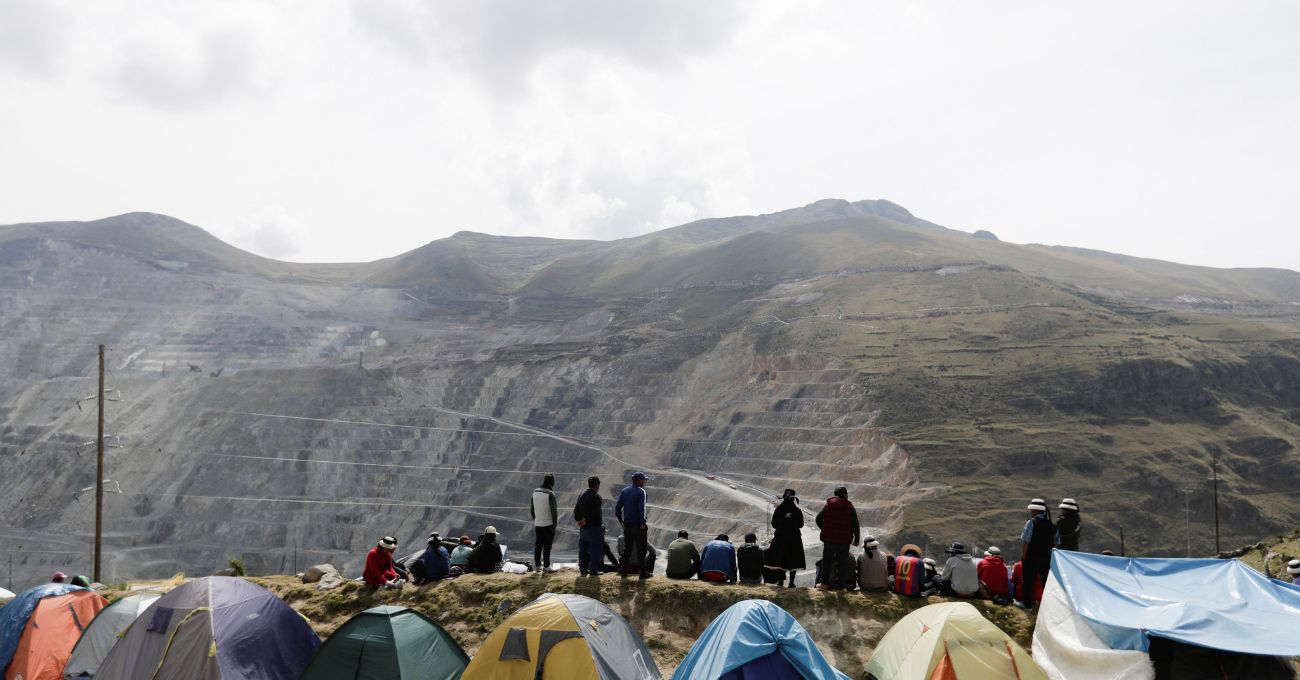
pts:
pixel 13 616
pixel 1220 604
pixel 745 637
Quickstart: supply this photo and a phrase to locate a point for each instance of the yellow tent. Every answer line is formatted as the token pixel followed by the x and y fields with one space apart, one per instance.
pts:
pixel 563 637
pixel 950 641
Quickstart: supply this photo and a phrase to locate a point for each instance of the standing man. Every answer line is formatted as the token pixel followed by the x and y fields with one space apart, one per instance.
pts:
pixel 1068 526
pixel 1036 543
pixel 591 529
pixel 544 516
pixel 631 513
pixel 839 524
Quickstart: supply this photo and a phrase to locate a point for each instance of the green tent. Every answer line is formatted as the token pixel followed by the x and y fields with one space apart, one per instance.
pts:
pixel 388 643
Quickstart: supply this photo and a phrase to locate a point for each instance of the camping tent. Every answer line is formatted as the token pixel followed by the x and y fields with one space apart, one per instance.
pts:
pixel 388 643
pixel 1104 617
pixel 213 628
pixel 949 641
pixel 102 633
pixel 752 640
pixel 6 595
pixel 39 628
pixel 570 637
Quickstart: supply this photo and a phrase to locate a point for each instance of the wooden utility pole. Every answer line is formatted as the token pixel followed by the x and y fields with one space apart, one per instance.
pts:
pixel 99 471
pixel 1216 503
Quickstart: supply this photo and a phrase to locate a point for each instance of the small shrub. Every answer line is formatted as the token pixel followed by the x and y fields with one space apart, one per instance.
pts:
pixel 237 565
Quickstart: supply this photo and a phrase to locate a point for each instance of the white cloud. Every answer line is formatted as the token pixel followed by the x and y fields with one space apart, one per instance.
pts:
pixel 34 35
pixel 270 231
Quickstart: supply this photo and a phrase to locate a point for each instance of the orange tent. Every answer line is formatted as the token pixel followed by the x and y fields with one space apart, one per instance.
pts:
pixel 51 633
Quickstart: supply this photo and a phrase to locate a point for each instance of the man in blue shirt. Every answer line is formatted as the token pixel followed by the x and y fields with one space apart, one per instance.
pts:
pixel 1036 542
pixel 631 513
pixel 718 562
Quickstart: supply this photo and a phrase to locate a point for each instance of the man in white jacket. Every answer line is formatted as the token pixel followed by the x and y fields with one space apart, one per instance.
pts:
pixel 544 515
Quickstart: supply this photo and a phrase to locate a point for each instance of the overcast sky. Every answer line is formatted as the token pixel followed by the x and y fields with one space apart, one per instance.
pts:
pixel 328 130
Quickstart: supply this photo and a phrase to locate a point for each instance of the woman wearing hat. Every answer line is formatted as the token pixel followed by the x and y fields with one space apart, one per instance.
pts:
pixel 786 550
pixel 1036 541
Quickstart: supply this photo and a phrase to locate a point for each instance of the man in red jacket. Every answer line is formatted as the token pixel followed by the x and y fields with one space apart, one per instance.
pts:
pixel 839 524
pixel 994 582
pixel 379 571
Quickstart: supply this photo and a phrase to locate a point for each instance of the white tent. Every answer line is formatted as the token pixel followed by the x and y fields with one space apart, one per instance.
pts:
pixel 5 595
pixel 102 633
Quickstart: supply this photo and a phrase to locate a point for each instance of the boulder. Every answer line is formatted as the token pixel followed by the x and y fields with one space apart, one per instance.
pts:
pixel 318 572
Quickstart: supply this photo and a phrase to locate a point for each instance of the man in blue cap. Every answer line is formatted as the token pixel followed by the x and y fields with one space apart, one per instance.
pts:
pixel 631 513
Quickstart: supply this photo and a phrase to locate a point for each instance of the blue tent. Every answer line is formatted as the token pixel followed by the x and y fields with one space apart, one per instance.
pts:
pixel 755 640
pixel 1219 604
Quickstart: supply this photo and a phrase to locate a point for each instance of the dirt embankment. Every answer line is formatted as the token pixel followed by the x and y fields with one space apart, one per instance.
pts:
pixel 670 615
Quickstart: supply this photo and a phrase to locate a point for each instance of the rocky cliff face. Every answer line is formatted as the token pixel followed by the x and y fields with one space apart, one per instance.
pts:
pixel 292 414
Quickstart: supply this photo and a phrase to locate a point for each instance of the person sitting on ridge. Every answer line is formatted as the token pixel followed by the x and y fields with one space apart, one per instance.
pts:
pixel 718 563
pixel 59 577
pixel 873 567
pixel 683 557
pixel 995 584
pixel 960 574
pixel 749 561
pixel 486 557
pixel 433 565
pixel 1293 570
pixel 380 572
pixel 460 554
pixel 909 572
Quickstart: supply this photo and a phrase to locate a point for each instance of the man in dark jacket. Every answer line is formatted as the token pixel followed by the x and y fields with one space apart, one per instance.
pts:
pixel 718 562
pixel 433 564
pixel 1068 526
pixel 786 550
pixel 683 557
pixel 839 524
pixel 749 561
pixel 486 557
pixel 1037 540
pixel 631 513
pixel 591 529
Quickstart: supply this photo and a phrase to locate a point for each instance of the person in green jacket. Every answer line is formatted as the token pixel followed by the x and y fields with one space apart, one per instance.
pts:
pixel 683 557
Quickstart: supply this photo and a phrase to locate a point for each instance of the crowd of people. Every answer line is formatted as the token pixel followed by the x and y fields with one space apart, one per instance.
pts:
pixel 778 562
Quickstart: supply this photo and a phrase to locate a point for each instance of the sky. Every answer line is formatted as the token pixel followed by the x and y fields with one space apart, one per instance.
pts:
pixel 350 130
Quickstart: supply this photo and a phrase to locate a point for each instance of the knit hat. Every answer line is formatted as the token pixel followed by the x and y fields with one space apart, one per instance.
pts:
pixel 911 548
pixel 1069 504
pixel 870 542
pixel 1038 504
pixel 957 548
pixel 993 550
pixel 1293 567
pixel 59 577
pixel 388 542
pixel 465 539
pixel 490 530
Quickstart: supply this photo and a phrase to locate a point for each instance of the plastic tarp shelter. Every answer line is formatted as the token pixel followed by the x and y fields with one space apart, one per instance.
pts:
pixel 102 633
pixel 39 628
pixel 755 640
pixel 1099 612
pixel 214 628
pixel 388 643
pixel 949 641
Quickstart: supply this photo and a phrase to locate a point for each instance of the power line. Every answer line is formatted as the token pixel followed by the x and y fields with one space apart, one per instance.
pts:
pixel 391 465
pixel 331 501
